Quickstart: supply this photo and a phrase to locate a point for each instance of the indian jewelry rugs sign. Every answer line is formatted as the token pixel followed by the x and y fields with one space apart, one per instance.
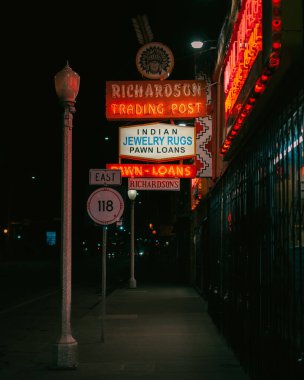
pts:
pixel 156 142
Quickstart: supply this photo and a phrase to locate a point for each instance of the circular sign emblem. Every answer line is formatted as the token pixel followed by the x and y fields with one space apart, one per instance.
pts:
pixel 155 61
pixel 105 206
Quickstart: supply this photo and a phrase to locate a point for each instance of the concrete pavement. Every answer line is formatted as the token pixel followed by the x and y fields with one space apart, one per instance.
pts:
pixel 153 332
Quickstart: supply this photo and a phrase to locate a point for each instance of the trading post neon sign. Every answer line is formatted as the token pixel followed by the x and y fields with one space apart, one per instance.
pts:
pixel 150 170
pixel 133 100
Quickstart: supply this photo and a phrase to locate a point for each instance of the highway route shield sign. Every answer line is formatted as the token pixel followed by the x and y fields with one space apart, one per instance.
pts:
pixel 105 206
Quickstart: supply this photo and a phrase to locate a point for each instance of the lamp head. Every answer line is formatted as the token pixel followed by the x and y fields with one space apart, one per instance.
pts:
pixel 67 84
pixel 197 44
pixel 132 194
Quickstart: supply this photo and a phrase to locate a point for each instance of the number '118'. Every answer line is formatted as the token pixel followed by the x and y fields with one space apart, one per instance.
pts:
pixel 105 206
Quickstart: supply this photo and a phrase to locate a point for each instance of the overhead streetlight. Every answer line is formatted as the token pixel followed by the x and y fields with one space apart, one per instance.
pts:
pixel 67 87
pixel 197 45
pixel 132 195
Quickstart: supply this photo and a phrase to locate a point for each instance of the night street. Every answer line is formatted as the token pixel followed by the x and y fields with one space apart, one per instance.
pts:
pixel 152 190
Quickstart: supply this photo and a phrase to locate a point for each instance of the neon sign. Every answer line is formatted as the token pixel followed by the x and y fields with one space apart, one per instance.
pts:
pixel 237 112
pixel 199 188
pixel 150 170
pixel 245 45
pixel 133 100
pixel 196 192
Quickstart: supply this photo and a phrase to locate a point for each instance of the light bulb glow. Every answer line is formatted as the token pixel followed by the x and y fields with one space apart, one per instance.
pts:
pixel 197 44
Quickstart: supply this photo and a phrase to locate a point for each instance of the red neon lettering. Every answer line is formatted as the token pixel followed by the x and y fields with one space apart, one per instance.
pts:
pixel 134 170
pixel 246 43
pixel 162 170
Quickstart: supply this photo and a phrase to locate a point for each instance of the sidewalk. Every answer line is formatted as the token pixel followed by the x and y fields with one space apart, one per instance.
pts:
pixel 151 333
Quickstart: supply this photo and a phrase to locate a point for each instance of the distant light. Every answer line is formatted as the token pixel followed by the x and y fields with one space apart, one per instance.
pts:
pixel 141 253
pixel 19 237
pixel 107 138
pixel 5 231
pixel 51 238
pixel 33 177
pixel 197 44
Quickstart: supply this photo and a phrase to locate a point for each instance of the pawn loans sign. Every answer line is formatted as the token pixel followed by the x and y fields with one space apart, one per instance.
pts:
pixel 105 206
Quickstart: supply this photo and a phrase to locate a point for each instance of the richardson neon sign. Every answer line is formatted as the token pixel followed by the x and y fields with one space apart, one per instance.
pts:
pixel 245 48
pixel 133 100
pixel 160 171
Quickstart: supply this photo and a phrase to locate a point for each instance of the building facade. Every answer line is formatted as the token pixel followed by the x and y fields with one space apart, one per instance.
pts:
pixel 249 258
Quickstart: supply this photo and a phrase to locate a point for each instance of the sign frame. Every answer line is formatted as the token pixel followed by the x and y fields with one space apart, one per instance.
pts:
pixel 155 170
pixel 156 99
pixel 160 184
pixel 157 142
pixel 105 206
pixel 115 174
pixel 155 60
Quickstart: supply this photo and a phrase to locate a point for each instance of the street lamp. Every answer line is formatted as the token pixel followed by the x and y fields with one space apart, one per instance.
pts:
pixel 66 348
pixel 132 195
pixel 198 46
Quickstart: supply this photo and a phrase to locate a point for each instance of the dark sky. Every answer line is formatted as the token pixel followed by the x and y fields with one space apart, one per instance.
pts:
pixel 99 41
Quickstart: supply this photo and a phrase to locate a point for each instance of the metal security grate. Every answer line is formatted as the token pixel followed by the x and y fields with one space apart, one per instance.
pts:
pixel 256 248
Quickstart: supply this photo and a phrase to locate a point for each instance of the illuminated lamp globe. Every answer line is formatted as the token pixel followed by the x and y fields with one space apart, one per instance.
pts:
pixel 67 84
pixel 197 44
pixel 132 194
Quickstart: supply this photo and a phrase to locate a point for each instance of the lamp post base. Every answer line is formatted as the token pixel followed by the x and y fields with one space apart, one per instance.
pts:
pixel 65 355
pixel 132 283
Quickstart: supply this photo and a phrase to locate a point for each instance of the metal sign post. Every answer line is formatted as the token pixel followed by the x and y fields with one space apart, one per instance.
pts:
pixel 103 283
pixel 105 206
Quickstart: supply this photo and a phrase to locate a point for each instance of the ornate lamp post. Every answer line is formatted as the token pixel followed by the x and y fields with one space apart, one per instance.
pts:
pixel 66 348
pixel 132 195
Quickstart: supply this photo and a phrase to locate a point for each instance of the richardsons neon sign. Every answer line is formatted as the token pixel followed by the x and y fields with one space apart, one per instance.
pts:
pixel 133 100
pixel 243 53
pixel 158 170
